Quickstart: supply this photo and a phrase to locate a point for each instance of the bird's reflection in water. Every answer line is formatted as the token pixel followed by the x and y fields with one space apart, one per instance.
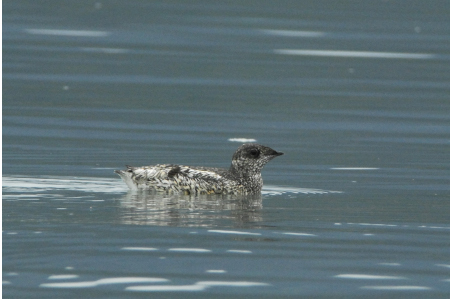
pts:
pixel 146 208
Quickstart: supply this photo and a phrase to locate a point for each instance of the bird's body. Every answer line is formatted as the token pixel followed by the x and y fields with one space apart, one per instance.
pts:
pixel 243 176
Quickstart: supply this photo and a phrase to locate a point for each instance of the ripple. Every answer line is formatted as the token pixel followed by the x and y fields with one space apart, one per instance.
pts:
pixel 190 250
pixel 199 286
pixel 29 185
pixel 397 288
pixel 169 288
pixel 239 251
pixel 299 234
pixel 63 276
pixel 139 248
pixel 44 184
pixel 356 54
pixel 216 271
pixel 443 265
pixel 103 281
pixel 62 32
pixel 232 232
pixel 243 140
pixel 354 168
pixel 279 190
pixel 367 276
pixel 389 264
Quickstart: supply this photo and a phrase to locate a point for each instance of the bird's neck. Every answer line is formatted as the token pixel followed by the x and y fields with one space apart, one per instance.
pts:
pixel 251 180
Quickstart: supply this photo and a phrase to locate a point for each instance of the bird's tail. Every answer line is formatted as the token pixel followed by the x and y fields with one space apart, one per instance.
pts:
pixel 126 176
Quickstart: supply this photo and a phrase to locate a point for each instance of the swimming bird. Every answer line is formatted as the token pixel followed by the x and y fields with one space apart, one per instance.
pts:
pixel 243 176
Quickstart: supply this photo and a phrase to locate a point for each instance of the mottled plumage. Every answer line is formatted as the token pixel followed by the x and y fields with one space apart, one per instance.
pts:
pixel 243 176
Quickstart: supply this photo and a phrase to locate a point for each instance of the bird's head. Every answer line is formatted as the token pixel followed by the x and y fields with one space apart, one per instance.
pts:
pixel 250 158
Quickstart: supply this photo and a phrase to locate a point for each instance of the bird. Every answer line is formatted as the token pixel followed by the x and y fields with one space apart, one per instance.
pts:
pixel 242 177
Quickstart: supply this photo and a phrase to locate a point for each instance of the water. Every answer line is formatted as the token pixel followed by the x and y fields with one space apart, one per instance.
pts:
pixel 355 94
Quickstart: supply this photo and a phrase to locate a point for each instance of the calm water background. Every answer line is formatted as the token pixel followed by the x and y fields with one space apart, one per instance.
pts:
pixel 355 93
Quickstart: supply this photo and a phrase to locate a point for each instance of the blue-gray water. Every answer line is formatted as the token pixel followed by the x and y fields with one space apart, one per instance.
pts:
pixel 356 94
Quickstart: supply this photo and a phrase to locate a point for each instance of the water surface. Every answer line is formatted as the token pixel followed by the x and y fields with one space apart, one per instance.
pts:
pixel 355 95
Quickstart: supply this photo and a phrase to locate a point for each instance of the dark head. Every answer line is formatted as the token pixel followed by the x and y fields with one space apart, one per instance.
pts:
pixel 250 158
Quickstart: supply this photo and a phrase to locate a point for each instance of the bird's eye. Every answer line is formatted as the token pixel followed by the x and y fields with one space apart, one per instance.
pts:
pixel 254 153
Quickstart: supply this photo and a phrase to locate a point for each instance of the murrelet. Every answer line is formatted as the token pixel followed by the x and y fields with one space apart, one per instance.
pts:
pixel 243 176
